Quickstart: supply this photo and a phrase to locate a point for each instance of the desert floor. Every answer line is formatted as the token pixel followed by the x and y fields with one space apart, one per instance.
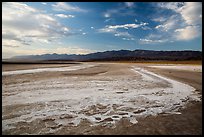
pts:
pixel 102 98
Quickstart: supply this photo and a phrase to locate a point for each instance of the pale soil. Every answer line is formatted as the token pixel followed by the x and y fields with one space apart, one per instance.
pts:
pixel 189 122
pixel 11 67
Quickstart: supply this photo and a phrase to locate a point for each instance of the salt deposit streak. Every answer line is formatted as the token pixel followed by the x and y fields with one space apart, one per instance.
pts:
pixel 180 90
pixel 71 68
pixel 197 68
pixel 105 106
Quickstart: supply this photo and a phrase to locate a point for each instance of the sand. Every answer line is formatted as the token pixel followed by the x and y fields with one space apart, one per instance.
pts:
pixel 103 98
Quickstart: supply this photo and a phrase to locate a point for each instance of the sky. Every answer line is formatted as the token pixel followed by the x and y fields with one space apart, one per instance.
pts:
pixel 35 28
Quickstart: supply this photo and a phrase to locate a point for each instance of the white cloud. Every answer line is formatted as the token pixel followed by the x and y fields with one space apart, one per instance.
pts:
pixel 107 15
pixel 70 50
pixel 150 41
pixel 92 27
pixel 62 6
pixel 128 38
pixel 127 26
pixel 154 39
pixel 107 20
pixel 24 25
pixel 184 24
pixel 11 43
pixel 9 52
pixel 114 29
pixel 159 19
pixel 64 16
pixel 159 26
pixel 83 33
pixel 121 10
pixel 110 12
pixel 44 3
pixel 143 23
pixel 154 36
pixel 145 40
pixel 191 12
pixel 106 30
pixel 169 24
pixel 129 4
pixel 124 34
pixel 171 5
pixel 65 29
pixel 187 33
pixel 146 28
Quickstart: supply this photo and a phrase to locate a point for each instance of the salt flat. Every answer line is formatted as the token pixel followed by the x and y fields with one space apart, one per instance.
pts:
pixel 197 68
pixel 120 91
pixel 27 71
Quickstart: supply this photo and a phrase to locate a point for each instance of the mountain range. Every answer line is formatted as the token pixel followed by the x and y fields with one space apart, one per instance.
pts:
pixel 120 55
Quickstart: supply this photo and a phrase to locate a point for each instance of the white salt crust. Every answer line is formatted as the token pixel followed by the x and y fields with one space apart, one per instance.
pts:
pixel 102 102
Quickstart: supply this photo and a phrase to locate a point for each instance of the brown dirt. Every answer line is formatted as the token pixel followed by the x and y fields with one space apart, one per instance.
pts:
pixel 189 122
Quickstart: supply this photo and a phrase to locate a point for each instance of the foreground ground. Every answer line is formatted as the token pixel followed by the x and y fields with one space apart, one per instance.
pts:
pixel 101 98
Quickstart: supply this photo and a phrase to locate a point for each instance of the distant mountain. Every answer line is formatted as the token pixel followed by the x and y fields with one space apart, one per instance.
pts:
pixel 121 55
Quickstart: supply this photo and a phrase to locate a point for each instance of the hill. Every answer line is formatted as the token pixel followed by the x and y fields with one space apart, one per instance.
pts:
pixel 121 55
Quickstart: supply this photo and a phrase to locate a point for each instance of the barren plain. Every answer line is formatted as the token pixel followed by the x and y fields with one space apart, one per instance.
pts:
pixel 102 98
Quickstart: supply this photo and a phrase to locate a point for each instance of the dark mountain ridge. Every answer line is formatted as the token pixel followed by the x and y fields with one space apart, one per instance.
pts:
pixel 121 55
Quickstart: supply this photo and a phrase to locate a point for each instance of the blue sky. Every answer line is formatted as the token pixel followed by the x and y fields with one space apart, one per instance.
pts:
pixel 30 28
